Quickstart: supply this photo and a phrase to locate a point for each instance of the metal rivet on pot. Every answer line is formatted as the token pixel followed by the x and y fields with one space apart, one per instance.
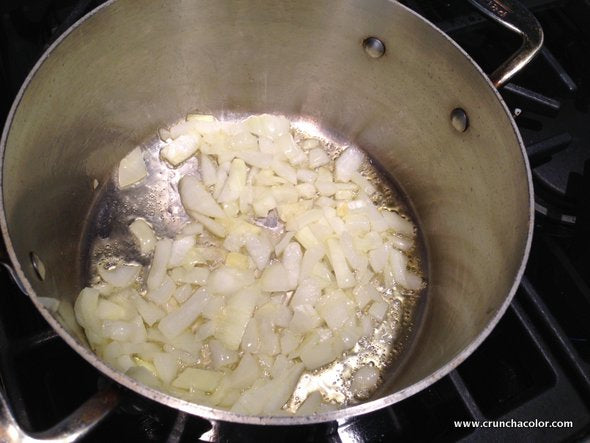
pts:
pixel 38 266
pixel 459 119
pixel 374 47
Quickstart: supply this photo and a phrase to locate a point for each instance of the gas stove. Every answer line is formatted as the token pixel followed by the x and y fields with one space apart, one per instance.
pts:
pixel 534 369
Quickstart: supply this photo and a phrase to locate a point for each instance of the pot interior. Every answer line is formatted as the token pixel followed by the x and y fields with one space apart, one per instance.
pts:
pixel 135 66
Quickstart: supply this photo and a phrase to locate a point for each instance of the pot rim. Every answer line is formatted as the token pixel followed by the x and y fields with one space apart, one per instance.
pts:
pixel 215 414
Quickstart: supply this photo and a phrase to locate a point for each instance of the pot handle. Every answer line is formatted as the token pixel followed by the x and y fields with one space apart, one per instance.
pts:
pixel 516 17
pixel 70 429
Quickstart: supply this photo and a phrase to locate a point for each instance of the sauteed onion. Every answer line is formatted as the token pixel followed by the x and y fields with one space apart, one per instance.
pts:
pixel 288 262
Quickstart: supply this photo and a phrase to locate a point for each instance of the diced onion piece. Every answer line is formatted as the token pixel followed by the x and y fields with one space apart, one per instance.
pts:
pixel 306 190
pixel 269 340
pixel 322 353
pixel 378 310
pixel 401 274
pixel 305 318
pixel 259 249
pixel 159 264
pixel 180 248
pixel 196 198
pixel 211 225
pixel 378 257
pixel 175 322
pixel 107 310
pixel 311 257
pixel 148 311
pixel 306 175
pixel 270 397
pixel 350 334
pixel 266 125
pixel 226 280
pixel 246 373
pixel 235 317
pixel 317 158
pixel 356 260
pixel 237 260
pixel 235 183
pixel 364 294
pixel 280 247
pixel 285 170
pixel 364 380
pixel 194 276
pixel 292 262
pixel 311 404
pixel 402 243
pixel 166 366
pixel 162 293
pixel 263 204
pixel 344 277
pixel 183 293
pixel 180 149
pixel 307 293
pixel 208 170
pixel 144 234
pixel 127 331
pixel 85 308
pixel 195 378
pixel 348 163
pixel 250 339
pixel 335 308
pixel 309 143
pixel 143 375
pixel 274 279
pixel 293 152
pixel 220 355
pixel 132 168
pixel 120 276
pixel 289 341
pixel 398 223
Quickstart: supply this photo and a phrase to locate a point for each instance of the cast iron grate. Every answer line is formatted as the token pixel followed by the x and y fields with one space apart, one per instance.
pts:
pixel 534 365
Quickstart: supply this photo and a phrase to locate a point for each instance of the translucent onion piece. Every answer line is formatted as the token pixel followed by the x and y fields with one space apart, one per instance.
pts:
pixel 144 234
pixel 132 168
pixel 120 276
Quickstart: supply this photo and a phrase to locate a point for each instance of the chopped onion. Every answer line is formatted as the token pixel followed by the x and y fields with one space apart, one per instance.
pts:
pixel 348 163
pixel 119 276
pixel 180 249
pixel 175 322
pixel 287 263
pixel 180 149
pixel 157 272
pixel 132 168
pixel 208 170
pixel 364 380
pixel 196 198
pixel 144 234
pixel 235 317
pixel 195 378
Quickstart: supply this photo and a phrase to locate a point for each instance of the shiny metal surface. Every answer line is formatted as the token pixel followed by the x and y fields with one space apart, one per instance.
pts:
pixel 374 47
pixel 459 119
pixel 515 16
pixel 70 429
pixel 135 65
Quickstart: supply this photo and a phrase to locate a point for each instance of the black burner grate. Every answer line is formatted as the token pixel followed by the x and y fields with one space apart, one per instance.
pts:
pixel 534 365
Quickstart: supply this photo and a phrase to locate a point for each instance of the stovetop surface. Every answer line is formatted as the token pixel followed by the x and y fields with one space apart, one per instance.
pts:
pixel 534 366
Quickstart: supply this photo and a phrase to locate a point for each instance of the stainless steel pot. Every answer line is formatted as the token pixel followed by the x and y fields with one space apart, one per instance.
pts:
pixel 411 97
